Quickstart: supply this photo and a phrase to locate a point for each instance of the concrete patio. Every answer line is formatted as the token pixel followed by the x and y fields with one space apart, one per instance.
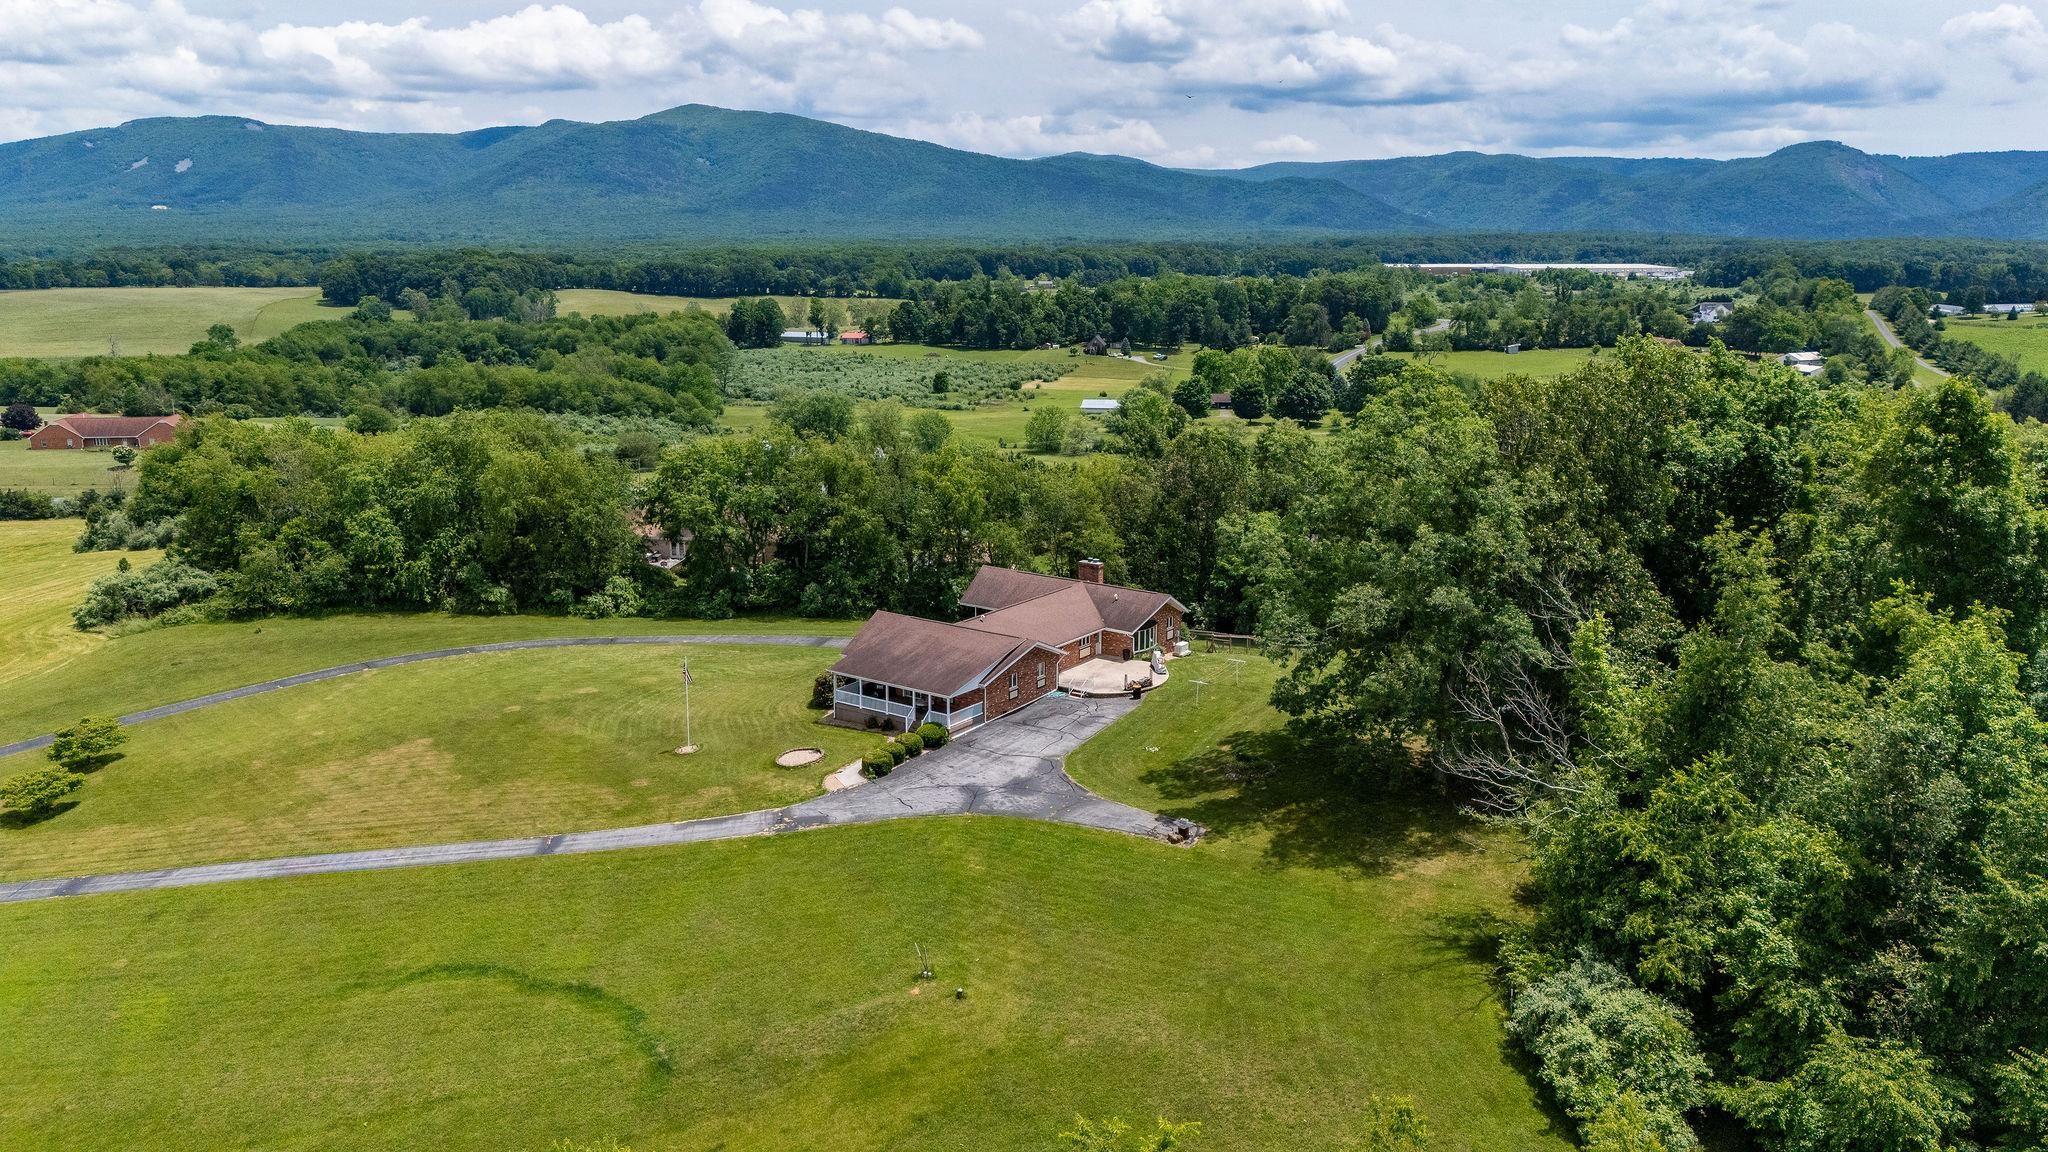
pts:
pixel 1108 677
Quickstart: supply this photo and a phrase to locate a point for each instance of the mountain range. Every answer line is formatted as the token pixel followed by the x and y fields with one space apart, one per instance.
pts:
pixel 701 174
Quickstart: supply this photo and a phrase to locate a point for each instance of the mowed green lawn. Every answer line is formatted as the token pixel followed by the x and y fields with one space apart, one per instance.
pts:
pixel 1493 365
pixel 470 748
pixel 60 675
pixel 2024 339
pixel 64 322
pixel 760 994
pixel 60 471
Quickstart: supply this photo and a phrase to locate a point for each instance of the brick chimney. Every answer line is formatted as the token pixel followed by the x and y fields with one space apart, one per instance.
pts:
pixel 1088 571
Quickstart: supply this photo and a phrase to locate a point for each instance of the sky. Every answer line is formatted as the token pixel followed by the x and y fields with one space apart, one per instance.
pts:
pixel 1192 83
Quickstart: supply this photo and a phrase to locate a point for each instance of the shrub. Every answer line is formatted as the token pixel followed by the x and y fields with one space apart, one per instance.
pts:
pixel 88 743
pixel 36 793
pixel 124 455
pixel 21 416
pixel 112 531
pixel 638 449
pixel 158 588
pixel 370 419
pixel 933 735
pixel 877 766
pixel 896 752
pixel 21 504
pixel 1600 1038
pixel 911 743
pixel 617 598
pixel 821 691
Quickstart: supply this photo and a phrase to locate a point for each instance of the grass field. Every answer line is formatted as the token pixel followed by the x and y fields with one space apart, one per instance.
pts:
pixel 605 302
pixel 60 675
pixel 2025 339
pixel 57 472
pixel 473 748
pixel 1493 365
pixel 61 322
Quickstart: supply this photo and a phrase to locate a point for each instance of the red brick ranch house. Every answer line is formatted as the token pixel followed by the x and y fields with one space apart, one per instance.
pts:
pixel 88 431
pixel 1026 630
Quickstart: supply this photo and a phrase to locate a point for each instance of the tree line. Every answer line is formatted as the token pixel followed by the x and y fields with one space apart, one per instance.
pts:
pixel 371 362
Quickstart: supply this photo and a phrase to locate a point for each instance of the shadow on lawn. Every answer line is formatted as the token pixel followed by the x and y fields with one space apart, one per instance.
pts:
pixel 1321 804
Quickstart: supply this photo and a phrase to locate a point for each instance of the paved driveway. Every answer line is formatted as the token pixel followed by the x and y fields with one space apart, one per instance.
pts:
pixel 1013 766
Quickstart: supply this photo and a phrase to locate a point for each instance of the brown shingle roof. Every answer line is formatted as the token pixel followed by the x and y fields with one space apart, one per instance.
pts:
pixel 88 426
pixel 1125 609
pixel 993 588
pixel 1056 618
pixel 925 655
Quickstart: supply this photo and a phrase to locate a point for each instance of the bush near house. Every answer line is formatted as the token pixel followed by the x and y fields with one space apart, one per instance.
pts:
pixel 911 743
pixel 933 735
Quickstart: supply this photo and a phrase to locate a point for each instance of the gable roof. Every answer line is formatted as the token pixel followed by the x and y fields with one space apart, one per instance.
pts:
pixel 927 655
pixel 1054 619
pixel 88 426
pixel 994 587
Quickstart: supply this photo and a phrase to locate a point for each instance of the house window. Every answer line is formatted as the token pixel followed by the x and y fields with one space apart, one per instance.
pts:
pixel 1041 674
pixel 1013 685
pixel 1146 639
pixel 1172 631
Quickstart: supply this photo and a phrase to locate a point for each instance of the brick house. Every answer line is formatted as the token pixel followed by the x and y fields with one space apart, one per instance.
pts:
pixel 1026 629
pixel 88 431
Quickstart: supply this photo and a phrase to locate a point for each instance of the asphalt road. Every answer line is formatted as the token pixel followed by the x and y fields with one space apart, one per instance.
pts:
pixel 1891 339
pixel 1010 767
pixel 197 702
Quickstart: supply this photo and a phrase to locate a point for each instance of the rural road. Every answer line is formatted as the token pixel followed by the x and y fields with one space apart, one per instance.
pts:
pixel 1347 356
pixel 1008 767
pixel 1891 339
pixel 196 702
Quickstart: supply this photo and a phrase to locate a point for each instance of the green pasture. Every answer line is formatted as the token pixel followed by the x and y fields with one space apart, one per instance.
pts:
pixel 2024 339
pixel 471 748
pixel 66 322
pixel 761 994
pixel 606 302
pixel 1493 365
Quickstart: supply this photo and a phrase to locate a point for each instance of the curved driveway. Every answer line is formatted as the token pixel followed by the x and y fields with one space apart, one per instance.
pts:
pixel 1009 767
pixel 164 710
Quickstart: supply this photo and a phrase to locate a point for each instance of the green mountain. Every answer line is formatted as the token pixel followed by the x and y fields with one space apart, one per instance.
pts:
pixel 708 174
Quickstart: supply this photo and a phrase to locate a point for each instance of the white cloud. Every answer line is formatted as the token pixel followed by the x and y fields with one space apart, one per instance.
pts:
pixel 2011 32
pixel 1288 145
pixel 1043 135
pixel 65 63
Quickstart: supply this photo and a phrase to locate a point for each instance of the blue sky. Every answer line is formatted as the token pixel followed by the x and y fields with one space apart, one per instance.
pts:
pixel 1187 82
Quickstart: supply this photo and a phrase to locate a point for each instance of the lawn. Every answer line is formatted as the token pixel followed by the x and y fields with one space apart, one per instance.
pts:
pixel 472 748
pixel 1493 365
pixel 2025 339
pixel 58 471
pixel 760 994
pixel 61 322
pixel 63 675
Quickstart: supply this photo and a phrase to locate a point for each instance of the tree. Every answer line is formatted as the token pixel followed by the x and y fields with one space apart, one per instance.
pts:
pixel 21 416
pixel 1046 430
pixel 89 743
pixel 822 412
pixel 370 419
pixel 36 793
pixel 1599 1038
pixel 1855 1095
pixel 1192 394
pixel 1147 422
pixel 1306 395
pixel 369 310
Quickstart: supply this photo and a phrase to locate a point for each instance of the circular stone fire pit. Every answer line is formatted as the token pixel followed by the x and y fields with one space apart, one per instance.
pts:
pixel 798 757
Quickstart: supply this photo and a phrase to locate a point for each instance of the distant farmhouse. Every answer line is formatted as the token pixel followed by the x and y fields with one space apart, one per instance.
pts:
pixel 1030 635
pixel 855 336
pixel 1711 311
pixel 87 431
pixel 1804 363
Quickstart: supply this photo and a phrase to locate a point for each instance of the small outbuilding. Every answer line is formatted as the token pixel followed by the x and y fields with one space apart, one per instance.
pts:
pixel 1102 406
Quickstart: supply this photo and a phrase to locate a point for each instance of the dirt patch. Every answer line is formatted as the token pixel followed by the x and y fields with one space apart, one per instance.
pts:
pixel 798 757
